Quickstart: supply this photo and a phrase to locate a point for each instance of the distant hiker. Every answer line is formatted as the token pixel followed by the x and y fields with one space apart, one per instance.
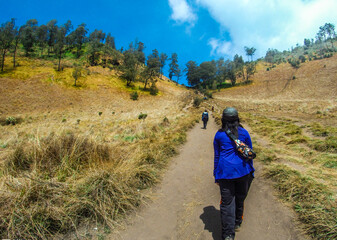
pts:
pixel 212 108
pixel 204 118
pixel 231 172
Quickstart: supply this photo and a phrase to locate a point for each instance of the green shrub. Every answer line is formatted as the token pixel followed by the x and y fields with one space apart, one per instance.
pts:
pixel 197 101
pixel 302 58
pixel 11 121
pixel 134 96
pixel 295 63
pixel 142 116
pixel 208 94
pixel 154 90
pixel 100 113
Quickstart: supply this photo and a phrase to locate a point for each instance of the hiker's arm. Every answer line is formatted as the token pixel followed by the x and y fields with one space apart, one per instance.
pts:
pixel 216 147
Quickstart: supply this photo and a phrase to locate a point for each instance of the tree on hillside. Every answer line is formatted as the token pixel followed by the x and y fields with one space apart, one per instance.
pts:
pixel 326 32
pixel 108 49
pixel 28 36
pixel 220 70
pixel 274 56
pixel 230 71
pixel 250 52
pixel 152 69
pixel 61 40
pixel 163 58
pixel 139 53
pixel 173 65
pixel 6 39
pixel 42 37
pixel 78 37
pixel 110 41
pixel 59 44
pixel 96 39
pixel 250 70
pixel 17 36
pixel 330 32
pixel 207 72
pixel 192 73
pixel 238 66
pixel 52 32
pixel 130 67
pixel 307 43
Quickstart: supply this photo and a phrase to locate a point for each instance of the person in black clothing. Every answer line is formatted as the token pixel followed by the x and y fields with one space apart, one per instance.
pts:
pixel 204 118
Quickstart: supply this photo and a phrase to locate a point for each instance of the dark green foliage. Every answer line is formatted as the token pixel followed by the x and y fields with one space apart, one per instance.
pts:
pixel 273 56
pixel 197 101
pixel 152 69
pixel 142 116
pixel 207 72
pixel 250 52
pixel 192 73
pixel 28 36
pixel 163 58
pixel 307 43
pixel 134 96
pixel 10 121
pixel 130 67
pixel 174 67
pixel 302 58
pixel 295 63
pixel 96 39
pixel 7 34
pixel 153 89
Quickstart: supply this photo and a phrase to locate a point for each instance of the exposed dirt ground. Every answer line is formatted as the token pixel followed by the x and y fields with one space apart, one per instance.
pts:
pixel 186 204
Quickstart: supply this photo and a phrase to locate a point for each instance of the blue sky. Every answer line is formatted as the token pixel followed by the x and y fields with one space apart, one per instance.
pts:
pixel 199 30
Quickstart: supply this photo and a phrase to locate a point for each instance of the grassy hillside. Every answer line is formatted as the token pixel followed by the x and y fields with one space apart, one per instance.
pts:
pixel 79 156
pixel 292 115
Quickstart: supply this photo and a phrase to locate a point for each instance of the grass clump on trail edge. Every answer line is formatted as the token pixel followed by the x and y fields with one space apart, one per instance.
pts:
pixel 313 202
pixel 53 185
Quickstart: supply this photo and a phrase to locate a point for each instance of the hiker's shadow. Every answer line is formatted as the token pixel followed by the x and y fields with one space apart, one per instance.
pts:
pixel 211 219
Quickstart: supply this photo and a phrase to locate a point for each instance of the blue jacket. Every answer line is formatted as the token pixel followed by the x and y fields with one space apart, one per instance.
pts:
pixel 227 163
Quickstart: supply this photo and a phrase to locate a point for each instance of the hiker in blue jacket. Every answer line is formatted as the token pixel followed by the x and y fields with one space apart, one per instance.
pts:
pixel 204 118
pixel 231 172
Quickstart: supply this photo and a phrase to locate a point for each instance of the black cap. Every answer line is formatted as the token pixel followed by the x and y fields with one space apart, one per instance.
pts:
pixel 230 114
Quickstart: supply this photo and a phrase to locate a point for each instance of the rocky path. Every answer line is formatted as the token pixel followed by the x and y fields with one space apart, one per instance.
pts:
pixel 186 204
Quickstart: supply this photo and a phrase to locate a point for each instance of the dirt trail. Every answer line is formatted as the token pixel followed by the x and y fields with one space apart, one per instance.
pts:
pixel 186 204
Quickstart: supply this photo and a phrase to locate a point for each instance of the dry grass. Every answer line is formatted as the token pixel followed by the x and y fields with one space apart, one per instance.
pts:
pixel 81 155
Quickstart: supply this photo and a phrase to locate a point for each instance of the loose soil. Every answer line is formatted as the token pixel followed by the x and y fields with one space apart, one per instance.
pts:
pixel 186 204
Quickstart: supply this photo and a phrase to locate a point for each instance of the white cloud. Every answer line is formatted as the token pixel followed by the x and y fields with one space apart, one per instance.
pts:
pixel 182 12
pixel 265 24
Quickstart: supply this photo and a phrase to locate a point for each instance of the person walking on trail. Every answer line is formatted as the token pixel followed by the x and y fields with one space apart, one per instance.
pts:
pixel 204 118
pixel 231 172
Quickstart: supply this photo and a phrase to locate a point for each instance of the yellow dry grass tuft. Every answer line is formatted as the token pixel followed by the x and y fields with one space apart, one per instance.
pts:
pixel 81 154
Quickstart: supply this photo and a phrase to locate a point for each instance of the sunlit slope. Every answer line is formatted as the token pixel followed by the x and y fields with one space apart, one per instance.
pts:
pixel 312 80
pixel 46 90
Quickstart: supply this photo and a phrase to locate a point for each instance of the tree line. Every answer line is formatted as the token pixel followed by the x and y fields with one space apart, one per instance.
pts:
pixel 98 48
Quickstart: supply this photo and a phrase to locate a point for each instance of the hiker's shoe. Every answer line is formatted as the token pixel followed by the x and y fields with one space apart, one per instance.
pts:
pixel 229 238
pixel 237 227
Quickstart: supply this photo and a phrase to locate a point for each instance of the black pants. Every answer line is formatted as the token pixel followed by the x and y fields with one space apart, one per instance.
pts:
pixel 205 123
pixel 233 194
